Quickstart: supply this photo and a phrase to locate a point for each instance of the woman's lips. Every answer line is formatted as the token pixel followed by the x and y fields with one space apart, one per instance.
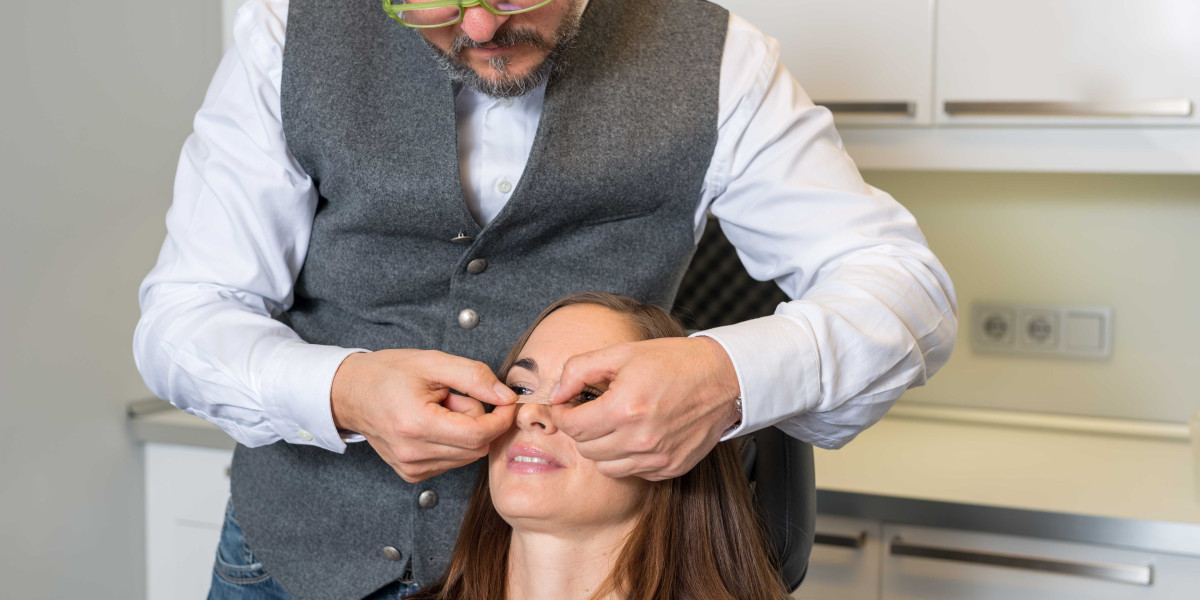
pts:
pixel 524 458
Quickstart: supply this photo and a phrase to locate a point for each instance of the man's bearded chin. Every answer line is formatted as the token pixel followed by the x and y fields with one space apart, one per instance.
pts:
pixel 507 85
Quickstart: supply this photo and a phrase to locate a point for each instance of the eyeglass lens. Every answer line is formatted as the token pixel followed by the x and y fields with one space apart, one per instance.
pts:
pixel 429 17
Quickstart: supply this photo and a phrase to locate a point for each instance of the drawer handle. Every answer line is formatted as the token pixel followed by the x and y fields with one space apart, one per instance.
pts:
pixel 1145 108
pixel 841 541
pixel 1135 574
pixel 904 109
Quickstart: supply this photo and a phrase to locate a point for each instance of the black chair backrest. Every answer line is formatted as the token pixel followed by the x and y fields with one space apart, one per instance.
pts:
pixel 716 290
pixel 780 469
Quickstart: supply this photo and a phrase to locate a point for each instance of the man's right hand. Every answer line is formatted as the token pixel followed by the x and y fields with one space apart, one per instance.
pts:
pixel 400 401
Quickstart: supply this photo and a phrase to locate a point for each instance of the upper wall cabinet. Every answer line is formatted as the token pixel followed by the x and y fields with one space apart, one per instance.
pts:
pixel 1068 62
pixel 981 85
pixel 870 61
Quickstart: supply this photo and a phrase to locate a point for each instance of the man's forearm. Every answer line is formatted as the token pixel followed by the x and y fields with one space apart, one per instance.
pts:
pixel 245 372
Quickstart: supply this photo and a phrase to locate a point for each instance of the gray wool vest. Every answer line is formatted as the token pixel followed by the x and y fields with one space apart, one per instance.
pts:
pixel 606 202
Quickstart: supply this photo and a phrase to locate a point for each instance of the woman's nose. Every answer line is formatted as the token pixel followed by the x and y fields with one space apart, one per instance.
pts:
pixel 535 417
pixel 481 25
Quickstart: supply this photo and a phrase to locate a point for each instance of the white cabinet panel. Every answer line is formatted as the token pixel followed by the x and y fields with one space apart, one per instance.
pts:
pixel 926 578
pixel 1081 52
pixel 843 572
pixel 186 491
pixel 185 570
pixel 853 51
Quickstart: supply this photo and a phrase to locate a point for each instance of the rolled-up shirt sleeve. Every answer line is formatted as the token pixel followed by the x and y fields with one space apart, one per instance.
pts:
pixel 873 311
pixel 237 235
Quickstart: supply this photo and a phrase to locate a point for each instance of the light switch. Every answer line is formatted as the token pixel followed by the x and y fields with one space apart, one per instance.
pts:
pixel 1083 331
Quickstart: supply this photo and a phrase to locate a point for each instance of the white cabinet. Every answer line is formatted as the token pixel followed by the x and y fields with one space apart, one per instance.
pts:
pixel 939 564
pixel 1076 62
pixel 863 559
pixel 870 61
pixel 1032 85
pixel 845 561
pixel 186 491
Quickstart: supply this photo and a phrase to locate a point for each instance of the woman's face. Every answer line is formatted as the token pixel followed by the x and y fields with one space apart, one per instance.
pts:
pixel 538 479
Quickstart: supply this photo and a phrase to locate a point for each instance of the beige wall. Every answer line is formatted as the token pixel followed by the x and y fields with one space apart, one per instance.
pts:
pixel 97 101
pixel 1131 242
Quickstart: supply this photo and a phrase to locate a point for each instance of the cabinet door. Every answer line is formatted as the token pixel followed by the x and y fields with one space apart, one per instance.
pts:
pixel 1068 62
pixel 870 61
pixel 186 491
pixel 940 564
pixel 845 561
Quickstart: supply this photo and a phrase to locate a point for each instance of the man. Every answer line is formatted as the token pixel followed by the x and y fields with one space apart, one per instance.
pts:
pixel 421 189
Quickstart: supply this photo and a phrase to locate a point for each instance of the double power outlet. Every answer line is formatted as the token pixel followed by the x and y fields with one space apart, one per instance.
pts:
pixel 1064 331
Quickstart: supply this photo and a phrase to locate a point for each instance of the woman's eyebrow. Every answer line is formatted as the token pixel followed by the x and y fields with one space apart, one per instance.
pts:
pixel 528 364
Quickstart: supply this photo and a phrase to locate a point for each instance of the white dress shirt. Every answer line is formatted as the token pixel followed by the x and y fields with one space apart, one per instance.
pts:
pixel 874 315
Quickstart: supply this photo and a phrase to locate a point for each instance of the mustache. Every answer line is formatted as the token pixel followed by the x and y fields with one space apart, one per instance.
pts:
pixel 503 39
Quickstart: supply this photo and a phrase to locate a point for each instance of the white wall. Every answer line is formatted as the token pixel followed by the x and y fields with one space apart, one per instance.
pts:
pixel 95 106
pixel 1131 242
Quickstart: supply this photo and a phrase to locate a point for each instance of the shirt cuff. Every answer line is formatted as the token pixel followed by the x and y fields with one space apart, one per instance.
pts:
pixel 295 394
pixel 778 369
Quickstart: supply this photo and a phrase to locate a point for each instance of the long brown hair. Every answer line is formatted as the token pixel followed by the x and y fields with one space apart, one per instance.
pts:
pixel 698 538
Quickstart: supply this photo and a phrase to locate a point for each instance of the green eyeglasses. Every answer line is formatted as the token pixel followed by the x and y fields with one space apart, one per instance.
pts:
pixel 424 14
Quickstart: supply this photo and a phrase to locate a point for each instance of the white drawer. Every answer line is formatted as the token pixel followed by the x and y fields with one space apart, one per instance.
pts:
pixel 845 560
pixel 187 482
pixel 923 563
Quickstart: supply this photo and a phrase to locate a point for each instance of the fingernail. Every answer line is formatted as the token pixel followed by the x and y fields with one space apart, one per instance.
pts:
pixel 504 393
pixel 554 392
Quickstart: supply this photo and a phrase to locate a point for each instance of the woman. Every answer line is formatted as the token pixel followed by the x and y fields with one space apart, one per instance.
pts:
pixel 543 523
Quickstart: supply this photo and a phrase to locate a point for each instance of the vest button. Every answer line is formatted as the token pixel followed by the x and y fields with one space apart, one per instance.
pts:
pixel 392 554
pixel 468 319
pixel 427 499
pixel 477 266
pixel 461 238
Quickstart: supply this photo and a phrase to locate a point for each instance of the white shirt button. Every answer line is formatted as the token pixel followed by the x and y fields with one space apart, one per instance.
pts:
pixel 305 435
pixel 504 186
pixel 506 102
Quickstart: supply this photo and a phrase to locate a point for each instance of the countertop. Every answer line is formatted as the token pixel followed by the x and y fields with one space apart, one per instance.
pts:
pixel 1134 484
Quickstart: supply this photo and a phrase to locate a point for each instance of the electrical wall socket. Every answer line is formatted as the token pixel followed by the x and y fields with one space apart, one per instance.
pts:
pixel 1063 331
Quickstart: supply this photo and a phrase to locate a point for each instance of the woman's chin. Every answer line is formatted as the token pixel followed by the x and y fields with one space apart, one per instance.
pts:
pixel 522 508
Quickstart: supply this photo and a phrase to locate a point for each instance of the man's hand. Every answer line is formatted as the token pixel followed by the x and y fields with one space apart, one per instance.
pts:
pixel 400 401
pixel 668 402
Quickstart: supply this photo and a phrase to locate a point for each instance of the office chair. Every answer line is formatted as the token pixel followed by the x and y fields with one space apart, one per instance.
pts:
pixel 716 290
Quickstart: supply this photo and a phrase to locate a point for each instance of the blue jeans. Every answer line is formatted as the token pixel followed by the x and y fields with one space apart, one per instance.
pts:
pixel 237 574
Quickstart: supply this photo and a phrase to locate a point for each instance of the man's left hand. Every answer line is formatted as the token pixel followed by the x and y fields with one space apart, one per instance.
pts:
pixel 667 404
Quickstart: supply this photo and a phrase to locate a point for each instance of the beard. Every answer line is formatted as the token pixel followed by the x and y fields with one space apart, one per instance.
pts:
pixel 507 85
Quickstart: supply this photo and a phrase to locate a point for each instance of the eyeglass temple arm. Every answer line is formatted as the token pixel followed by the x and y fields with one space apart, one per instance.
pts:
pixel 390 8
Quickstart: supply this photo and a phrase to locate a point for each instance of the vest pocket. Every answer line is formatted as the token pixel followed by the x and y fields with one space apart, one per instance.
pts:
pixel 612 218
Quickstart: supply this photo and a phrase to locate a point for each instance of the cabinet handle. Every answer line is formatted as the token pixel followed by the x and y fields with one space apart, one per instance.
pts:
pixel 905 109
pixel 842 541
pixel 1143 108
pixel 1135 574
